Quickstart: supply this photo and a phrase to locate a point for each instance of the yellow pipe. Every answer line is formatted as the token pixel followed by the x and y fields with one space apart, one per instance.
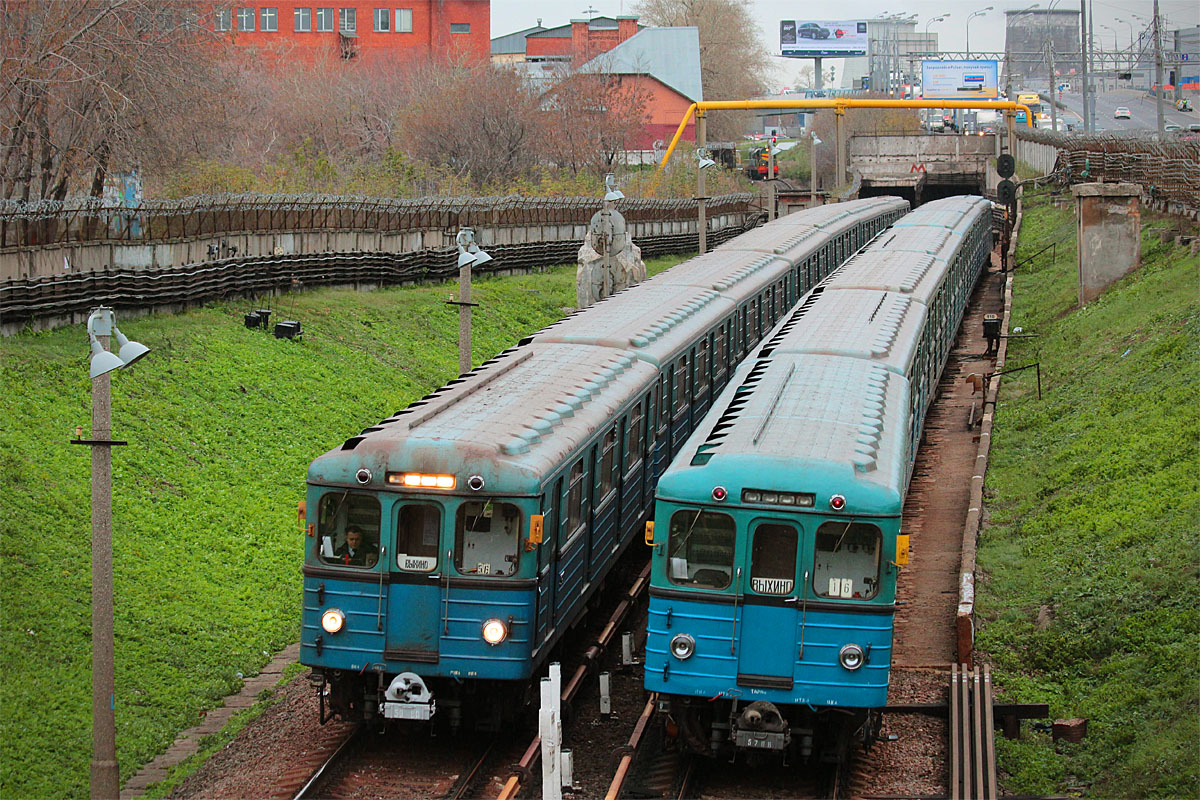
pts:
pixel 838 103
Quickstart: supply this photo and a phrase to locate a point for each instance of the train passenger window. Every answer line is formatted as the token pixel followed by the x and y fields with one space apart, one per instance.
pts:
pixel 847 560
pixel 634 439
pixel 773 559
pixel 486 538
pixel 575 498
pixel 608 464
pixel 679 400
pixel 719 354
pixel 417 535
pixel 702 366
pixel 348 529
pixel 700 549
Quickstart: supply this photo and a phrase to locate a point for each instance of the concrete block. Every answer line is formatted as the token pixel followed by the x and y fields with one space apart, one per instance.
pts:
pixel 1109 225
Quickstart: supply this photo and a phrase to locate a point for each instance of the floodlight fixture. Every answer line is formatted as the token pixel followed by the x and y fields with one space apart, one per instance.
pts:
pixel 103 362
pixel 129 351
pixel 469 252
pixel 613 193
pixel 702 159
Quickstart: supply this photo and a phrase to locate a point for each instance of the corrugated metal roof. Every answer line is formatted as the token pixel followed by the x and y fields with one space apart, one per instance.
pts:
pixel 669 55
pixel 513 42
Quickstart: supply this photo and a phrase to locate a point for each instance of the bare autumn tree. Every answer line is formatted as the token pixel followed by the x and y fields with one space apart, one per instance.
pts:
pixel 85 84
pixel 476 121
pixel 734 65
pixel 590 118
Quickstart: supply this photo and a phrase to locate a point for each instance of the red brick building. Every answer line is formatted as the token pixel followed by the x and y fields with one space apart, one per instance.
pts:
pixel 310 30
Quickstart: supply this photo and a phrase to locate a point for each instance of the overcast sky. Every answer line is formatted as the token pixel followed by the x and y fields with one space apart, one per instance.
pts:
pixel 987 31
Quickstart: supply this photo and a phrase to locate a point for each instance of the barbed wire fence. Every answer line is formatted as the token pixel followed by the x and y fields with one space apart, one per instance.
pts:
pixel 1168 171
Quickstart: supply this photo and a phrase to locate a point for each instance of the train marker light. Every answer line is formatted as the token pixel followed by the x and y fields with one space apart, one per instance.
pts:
pixel 333 620
pixel 536 528
pixel 419 480
pixel 837 502
pixel 902 550
pixel 494 631
pixel 719 494
pixel 650 533
pixel 363 476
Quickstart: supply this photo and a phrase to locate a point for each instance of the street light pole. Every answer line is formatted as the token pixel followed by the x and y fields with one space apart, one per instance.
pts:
pixel 1158 71
pixel 105 771
pixel 975 14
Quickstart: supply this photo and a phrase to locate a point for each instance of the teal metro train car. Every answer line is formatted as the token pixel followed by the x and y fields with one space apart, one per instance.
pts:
pixel 776 534
pixel 451 545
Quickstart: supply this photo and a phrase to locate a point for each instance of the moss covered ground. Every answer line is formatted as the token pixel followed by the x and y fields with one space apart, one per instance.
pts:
pixel 222 422
pixel 1088 596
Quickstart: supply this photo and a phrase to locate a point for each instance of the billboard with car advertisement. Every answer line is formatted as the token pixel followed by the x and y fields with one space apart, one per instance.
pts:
pixel 960 80
pixel 809 39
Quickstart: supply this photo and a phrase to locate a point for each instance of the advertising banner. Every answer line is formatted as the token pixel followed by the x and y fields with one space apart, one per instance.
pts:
pixel 809 39
pixel 959 80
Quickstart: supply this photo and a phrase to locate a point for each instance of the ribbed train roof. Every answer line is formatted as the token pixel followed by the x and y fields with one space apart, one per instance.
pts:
pixel 863 323
pixel 821 409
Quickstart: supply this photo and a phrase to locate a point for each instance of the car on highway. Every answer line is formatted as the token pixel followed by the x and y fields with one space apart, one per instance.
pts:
pixel 1171 127
pixel 811 30
pixel 1121 112
pixel 1194 127
pixel 1183 104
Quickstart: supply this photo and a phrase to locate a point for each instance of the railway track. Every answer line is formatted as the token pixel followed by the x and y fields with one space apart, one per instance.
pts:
pixel 972 735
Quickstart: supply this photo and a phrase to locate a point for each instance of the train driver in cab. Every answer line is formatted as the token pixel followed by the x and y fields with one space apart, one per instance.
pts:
pixel 355 552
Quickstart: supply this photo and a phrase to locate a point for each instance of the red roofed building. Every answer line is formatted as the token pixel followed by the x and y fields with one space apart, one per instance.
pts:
pixel 309 31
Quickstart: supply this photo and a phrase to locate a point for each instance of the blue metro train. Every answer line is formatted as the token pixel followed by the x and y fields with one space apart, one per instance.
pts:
pixel 778 540
pixel 451 545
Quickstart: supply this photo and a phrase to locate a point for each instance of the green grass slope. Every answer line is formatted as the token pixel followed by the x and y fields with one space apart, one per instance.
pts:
pixel 222 423
pixel 1088 595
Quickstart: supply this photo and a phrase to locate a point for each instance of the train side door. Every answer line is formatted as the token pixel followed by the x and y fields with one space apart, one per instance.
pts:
pixel 766 654
pixel 551 503
pixel 414 596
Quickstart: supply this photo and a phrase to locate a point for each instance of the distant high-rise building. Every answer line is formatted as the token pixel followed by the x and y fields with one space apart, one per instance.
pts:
pixel 1028 36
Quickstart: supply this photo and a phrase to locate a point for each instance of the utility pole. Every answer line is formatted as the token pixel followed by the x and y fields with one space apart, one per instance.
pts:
pixel 701 187
pixel 1053 85
pixel 1092 54
pixel 1158 70
pixel 1083 58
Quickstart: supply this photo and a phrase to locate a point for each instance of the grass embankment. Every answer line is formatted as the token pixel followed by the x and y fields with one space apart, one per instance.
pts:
pixel 1088 597
pixel 222 423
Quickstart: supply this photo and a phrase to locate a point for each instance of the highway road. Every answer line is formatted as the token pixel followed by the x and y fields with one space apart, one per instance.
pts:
pixel 1141 109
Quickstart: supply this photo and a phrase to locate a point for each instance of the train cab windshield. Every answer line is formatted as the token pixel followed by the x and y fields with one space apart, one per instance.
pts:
pixel 348 530
pixel 847 560
pixel 700 549
pixel 418 531
pixel 487 538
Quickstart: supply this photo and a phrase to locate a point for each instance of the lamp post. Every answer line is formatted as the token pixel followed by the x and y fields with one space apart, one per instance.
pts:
pixel 105 775
pixel 975 14
pixel 812 164
pixel 938 18
pixel 469 255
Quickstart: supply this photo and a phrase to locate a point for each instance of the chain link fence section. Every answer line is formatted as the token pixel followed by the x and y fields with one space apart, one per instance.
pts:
pixel 1169 172
pixel 89 220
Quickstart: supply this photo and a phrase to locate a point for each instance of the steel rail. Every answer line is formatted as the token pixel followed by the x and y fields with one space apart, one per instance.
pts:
pixel 972 738
pixel 630 749
pixel 591 658
pixel 326 766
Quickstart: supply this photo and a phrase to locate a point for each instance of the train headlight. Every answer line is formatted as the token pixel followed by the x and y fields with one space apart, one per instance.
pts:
pixel 333 620
pixel 851 657
pixel 495 631
pixel 682 646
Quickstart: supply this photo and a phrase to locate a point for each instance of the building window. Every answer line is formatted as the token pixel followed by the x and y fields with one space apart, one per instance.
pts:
pixel 324 20
pixel 347 20
pixel 223 21
pixel 303 19
pixel 383 20
pixel 460 27
pixel 245 20
pixel 268 20
pixel 403 20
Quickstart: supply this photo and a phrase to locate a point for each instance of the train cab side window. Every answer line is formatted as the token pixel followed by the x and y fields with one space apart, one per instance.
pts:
pixel 773 559
pixel 847 560
pixel 417 535
pixel 719 354
pixel 608 464
pixel 486 538
pixel 700 549
pixel 575 499
pixel 348 529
